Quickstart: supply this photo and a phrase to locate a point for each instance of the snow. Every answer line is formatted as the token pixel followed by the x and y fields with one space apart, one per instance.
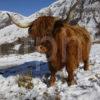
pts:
pixel 6 61
pixel 17 47
pixel 87 88
pixel 11 33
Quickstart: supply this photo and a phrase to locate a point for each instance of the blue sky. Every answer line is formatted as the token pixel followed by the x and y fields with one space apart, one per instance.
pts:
pixel 25 7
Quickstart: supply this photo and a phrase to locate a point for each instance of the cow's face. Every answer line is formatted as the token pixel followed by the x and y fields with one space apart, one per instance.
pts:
pixel 42 46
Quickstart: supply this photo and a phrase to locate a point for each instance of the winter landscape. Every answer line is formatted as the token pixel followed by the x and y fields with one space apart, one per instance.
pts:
pixel 24 73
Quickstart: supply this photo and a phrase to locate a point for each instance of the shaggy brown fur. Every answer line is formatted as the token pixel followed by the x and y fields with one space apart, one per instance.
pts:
pixel 42 26
pixel 71 42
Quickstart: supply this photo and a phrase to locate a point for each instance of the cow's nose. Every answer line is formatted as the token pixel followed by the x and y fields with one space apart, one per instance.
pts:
pixel 37 48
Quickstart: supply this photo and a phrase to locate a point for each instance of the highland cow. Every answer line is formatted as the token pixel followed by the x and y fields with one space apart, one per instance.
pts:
pixel 72 45
pixel 64 45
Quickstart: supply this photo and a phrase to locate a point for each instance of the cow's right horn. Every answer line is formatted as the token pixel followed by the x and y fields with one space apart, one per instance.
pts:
pixel 22 23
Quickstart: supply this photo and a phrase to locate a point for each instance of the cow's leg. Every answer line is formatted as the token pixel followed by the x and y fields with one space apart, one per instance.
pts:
pixel 86 64
pixel 52 79
pixel 85 55
pixel 70 79
pixel 53 72
pixel 72 60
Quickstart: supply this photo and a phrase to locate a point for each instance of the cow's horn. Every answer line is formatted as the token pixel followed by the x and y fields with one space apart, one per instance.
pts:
pixel 21 24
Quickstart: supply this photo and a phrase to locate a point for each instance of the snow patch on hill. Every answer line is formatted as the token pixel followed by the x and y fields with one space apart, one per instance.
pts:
pixel 12 33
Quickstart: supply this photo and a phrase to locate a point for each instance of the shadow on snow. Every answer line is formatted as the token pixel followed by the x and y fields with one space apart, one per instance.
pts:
pixel 38 69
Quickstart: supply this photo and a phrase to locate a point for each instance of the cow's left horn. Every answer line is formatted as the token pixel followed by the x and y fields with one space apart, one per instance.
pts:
pixel 22 23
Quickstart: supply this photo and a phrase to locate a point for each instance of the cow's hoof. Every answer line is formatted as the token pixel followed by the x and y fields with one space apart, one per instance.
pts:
pixel 73 82
pixel 52 83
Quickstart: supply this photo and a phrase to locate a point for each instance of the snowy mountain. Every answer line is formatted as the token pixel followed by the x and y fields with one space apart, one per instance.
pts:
pixel 17 59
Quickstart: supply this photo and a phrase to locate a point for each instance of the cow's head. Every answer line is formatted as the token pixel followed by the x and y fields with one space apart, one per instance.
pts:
pixel 37 28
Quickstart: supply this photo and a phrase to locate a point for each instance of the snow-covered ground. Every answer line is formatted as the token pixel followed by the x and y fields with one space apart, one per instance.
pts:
pixel 87 88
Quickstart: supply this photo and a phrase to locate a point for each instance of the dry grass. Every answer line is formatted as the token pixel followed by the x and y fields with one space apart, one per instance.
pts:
pixel 25 80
